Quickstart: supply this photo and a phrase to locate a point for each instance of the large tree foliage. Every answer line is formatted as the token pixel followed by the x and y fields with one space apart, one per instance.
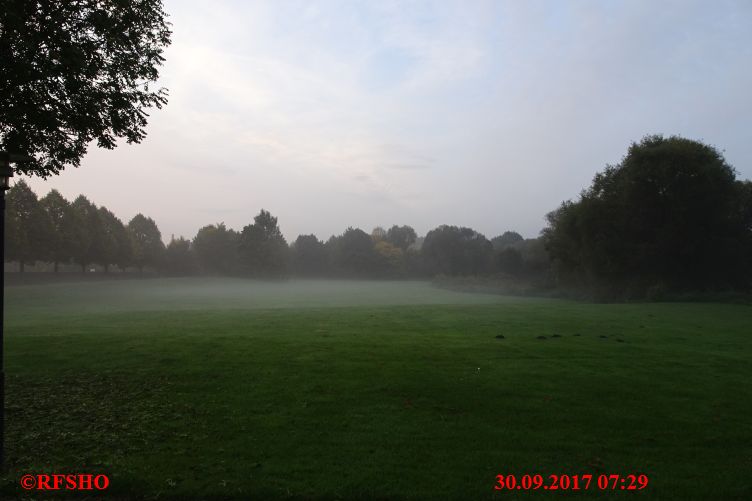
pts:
pixel 148 248
pixel 353 253
pixel 29 231
pixel 116 246
pixel 391 257
pixel 401 236
pixel 74 72
pixel 309 256
pixel 506 239
pixel 450 250
pixel 669 215
pixel 216 249
pixel 378 234
pixel 509 260
pixel 88 232
pixel 263 249
pixel 744 190
pixel 63 221
pixel 179 257
pixel 534 255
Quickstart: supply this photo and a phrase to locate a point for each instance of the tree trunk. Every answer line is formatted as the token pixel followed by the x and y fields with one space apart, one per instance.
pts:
pixel 55 266
pixel 21 266
pixel 83 268
pixel 106 268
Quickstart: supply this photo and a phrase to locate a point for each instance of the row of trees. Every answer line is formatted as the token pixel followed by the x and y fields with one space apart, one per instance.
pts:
pixel 261 250
pixel 671 216
pixel 54 230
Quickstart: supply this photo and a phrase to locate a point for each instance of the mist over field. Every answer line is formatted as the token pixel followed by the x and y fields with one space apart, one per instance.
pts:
pixel 177 294
pixel 376 250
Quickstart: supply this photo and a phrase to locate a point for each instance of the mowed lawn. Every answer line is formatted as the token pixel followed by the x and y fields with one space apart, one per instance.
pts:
pixel 232 389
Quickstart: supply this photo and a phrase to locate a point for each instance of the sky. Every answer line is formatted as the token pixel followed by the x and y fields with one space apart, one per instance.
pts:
pixel 484 114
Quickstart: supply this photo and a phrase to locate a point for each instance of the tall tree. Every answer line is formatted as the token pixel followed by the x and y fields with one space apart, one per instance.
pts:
pixel 115 242
pixel 667 215
pixel 378 234
pixel 30 233
pixel 535 258
pixel 179 257
pixel 353 253
pixel 263 249
pixel 401 236
pixel 63 222
pixel 450 250
pixel 744 190
pixel 77 72
pixel 88 236
pixel 392 258
pixel 506 239
pixel 148 248
pixel 216 249
pixel 125 247
pixel 509 260
pixel 309 256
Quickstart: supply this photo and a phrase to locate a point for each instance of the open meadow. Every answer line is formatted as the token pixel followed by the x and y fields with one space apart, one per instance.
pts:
pixel 235 389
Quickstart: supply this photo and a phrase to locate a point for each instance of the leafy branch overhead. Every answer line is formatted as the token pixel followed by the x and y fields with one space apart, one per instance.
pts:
pixel 74 72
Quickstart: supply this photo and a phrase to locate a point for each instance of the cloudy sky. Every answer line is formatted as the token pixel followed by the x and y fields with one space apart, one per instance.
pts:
pixel 485 114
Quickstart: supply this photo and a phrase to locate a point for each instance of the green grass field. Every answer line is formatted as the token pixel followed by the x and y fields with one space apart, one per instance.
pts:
pixel 231 389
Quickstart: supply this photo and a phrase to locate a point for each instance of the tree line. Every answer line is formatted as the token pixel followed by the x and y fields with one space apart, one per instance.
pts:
pixel 54 230
pixel 670 217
